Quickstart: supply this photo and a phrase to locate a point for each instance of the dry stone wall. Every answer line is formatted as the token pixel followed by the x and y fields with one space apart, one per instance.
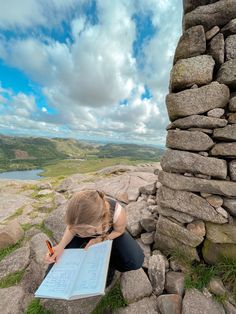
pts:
pixel 197 199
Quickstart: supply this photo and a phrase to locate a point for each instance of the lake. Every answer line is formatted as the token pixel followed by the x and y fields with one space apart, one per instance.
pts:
pixel 22 175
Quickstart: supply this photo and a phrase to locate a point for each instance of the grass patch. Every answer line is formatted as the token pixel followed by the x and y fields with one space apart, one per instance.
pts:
pixel 26 227
pixel 16 214
pixel 180 256
pixel 112 300
pixel 199 276
pixel 8 250
pixel 36 308
pixel 11 279
pixel 226 269
pixel 221 298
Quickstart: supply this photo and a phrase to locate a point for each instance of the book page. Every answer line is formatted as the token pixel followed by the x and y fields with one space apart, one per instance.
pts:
pixel 59 281
pixel 94 269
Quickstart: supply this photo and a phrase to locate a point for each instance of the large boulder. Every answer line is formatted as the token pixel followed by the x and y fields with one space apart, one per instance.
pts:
pixel 180 182
pixel 219 13
pixel 224 150
pixel 190 5
pixel 217 48
pixel 187 140
pixel 171 229
pixel 195 302
pixel 181 162
pixel 11 300
pixel 55 222
pixel 196 101
pixel 189 203
pixel 229 28
pixel 187 72
pixel 10 234
pixel 213 252
pixel 226 74
pixel 191 44
pixel 198 121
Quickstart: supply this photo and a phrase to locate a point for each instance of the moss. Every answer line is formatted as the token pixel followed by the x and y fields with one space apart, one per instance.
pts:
pixel 212 252
pixel 12 279
pixel 36 308
pixel 8 250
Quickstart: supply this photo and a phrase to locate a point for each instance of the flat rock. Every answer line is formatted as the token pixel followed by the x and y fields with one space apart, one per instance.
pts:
pixel 186 140
pixel 181 162
pixel 191 44
pixel 10 234
pixel 196 101
pixel 11 300
pixel 146 305
pixel 171 229
pixel 215 200
pixel 167 245
pixel 221 233
pixel 175 283
pixel 226 133
pixel 198 121
pixel 224 150
pixel 226 73
pixel 212 32
pixel 189 203
pixel 135 212
pixel 195 302
pixel 16 261
pixel 179 182
pixel 230 47
pixel 217 48
pixel 156 272
pixel 135 285
pixel 219 13
pixel 216 113
pixel 230 205
pixel 212 252
pixel 190 5
pixel 169 303
pixel 232 170
pixel 196 70
pixel 168 212
pixel 230 28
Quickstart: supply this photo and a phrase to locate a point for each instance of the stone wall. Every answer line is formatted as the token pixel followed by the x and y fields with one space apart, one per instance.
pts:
pixel 197 199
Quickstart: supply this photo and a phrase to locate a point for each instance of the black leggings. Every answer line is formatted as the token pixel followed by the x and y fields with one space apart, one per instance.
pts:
pixel 126 253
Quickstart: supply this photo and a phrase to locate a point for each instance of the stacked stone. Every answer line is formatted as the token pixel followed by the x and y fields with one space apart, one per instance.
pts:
pixel 197 200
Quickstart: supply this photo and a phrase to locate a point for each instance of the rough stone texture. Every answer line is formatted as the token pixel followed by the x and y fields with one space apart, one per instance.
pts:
pixel 186 140
pixel 196 101
pixel 195 302
pixel 148 224
pixel 216 113
pixel 221 233
pixel 156 272
pixel 181 162
pixel 149 189
pixel 135 285
pixel 226 133
pixel 16 261
pixel 168 212
pixel 37 248
pixel 217 48
pixel 222 212
pixel 196 70
pixel 212 252
pixel 169 304
pixel 230 28
pixel 230 205
pixel 190 204
pixel 198 121
pixel 192 43
pixel 56 222
pixel 135 211
pixel 146 251
pixel 232 170
pixel 11 300
pixel 232 118
pixel 215 200
pixel 175 283
pixel 179 182
pixel 232 104
pixel 190 5
pixel 146 305
pixel 197 227
pixel 216 286
pixel 226 74
pixel 212 32
pixel 230 47
pixel 167 244
pixel 229 308
pixel 224 150
pixel 171 229
pixel 219 13
pixel 148 237
pixel 10 234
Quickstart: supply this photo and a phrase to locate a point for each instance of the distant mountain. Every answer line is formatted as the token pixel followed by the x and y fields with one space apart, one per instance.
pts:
pixel 18 153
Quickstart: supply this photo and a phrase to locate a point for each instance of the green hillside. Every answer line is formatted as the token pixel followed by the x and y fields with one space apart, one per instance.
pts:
pixel 23 153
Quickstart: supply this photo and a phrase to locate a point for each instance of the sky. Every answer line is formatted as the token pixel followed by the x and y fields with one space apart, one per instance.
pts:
pixel 87 69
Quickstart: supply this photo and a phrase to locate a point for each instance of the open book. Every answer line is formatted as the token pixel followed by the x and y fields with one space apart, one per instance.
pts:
pixel 79 273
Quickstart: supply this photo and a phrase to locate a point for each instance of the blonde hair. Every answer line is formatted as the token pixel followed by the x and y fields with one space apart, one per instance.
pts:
pixel 87 208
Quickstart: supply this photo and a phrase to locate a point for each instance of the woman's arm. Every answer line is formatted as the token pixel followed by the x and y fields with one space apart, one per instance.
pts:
pixel 67 237
pixel 119 226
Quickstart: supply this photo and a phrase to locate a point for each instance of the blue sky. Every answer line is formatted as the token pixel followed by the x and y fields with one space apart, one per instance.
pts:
pixel 88 69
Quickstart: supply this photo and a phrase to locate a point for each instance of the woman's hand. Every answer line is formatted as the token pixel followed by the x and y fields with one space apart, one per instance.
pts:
pixel 93 241
pixel 57 249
